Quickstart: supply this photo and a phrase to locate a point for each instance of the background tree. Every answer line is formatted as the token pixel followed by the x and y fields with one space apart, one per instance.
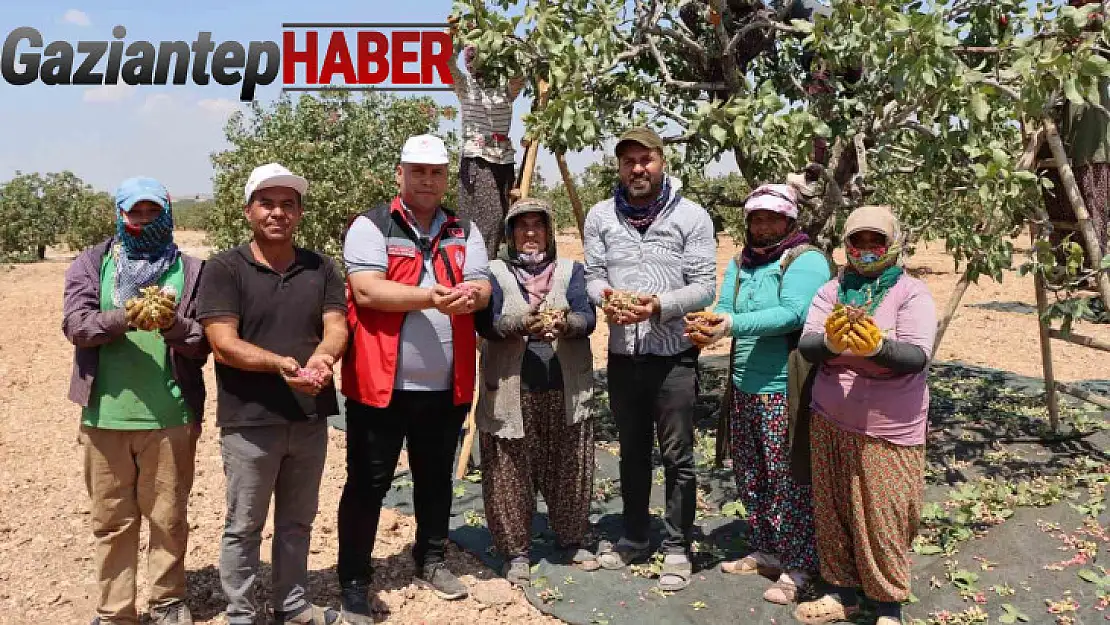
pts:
pixel 190 214
pixel 347 147
pixel 91 219
pixel 35 211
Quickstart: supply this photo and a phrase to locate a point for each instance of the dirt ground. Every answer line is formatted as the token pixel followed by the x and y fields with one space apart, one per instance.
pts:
pixel 46 546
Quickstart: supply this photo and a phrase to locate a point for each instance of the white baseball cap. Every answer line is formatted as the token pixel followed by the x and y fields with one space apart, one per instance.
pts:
pixel 426 150
pixel 274 175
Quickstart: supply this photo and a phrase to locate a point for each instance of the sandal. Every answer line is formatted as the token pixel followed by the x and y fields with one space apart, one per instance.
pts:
pixel 786 588
pixel 310 615
pixel 756 562
pixel 613 557
pixel 676 573
pixel 827 609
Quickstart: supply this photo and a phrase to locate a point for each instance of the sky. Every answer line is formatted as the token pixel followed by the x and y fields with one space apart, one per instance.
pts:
pixel 105 134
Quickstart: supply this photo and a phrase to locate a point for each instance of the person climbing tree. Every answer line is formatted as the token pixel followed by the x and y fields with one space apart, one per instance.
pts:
pixel 487 164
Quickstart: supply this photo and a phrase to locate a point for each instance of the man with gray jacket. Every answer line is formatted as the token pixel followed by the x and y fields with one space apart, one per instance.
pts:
pixel 650 259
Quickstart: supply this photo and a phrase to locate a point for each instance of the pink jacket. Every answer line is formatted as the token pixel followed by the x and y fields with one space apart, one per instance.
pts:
pixel 861 396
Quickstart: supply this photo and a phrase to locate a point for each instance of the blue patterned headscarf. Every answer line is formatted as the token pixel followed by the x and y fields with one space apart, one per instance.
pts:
pixel 641 217
pixel 142 253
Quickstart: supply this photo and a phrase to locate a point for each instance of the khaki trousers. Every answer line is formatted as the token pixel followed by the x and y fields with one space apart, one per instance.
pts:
pixel 132 475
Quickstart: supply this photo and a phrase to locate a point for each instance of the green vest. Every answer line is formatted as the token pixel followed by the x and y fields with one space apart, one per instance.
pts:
pixel 134 387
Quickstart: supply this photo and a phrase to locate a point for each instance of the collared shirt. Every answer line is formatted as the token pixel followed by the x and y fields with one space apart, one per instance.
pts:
pixel 675 258
pixel 425 357
pixel 279 312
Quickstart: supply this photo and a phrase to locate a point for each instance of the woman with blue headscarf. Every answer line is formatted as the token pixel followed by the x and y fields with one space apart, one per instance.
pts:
pixel 137 377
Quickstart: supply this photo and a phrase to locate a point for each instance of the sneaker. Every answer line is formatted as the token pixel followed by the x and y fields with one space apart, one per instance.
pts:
pixel 437 578
pixel 518 572
pixel 309 615
pixel 176 613
pixel 355 599
pixel 620 555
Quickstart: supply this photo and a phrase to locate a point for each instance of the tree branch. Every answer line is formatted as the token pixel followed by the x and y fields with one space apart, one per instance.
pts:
pixel 672 115
pixel 1008 91
pixel 691 45
pixel 920 128
pixel 679 84
pixel 727 60
pixel 735 41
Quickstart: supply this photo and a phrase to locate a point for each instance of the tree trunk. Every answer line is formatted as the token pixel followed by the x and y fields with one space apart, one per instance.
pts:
pixel 572 193
pixel 41 252
pixel 952 307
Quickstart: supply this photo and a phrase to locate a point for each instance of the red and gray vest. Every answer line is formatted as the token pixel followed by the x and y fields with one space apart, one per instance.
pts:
pixel 370 364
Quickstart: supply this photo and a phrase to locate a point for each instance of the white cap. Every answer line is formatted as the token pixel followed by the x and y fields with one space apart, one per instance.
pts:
pixel 426 150
pixel 274 175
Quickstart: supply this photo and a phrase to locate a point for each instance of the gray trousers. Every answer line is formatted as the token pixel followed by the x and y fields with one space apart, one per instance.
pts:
pixel 285 462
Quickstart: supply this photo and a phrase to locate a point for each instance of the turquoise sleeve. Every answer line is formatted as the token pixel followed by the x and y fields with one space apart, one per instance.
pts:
pixel 728 290
pixel 803 278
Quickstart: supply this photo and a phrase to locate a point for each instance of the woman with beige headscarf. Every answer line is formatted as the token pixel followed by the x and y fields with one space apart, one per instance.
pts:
pixel 871 332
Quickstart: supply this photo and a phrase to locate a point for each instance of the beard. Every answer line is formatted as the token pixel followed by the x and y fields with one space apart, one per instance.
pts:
pixel 641 187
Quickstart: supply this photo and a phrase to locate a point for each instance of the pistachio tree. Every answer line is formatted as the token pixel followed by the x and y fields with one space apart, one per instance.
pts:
pixel 921 105
pixel 38 210
pixel 348 148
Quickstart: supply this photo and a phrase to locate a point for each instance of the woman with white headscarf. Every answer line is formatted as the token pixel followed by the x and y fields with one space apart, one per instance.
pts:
pixel 534 425
pixel 765 294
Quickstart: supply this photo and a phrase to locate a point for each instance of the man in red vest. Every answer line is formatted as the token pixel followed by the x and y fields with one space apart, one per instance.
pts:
pixel 416 274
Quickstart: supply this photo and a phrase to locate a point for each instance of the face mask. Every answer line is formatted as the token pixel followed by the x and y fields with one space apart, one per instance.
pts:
pixel 873 260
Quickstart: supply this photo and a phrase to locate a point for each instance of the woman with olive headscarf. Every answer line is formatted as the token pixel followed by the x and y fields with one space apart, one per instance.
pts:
pixel 765 294
pixel 537 374
pixel 869 418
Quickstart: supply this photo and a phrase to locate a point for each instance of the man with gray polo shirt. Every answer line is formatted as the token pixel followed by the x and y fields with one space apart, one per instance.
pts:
pixel 274 316
pixel 653 244
pixel 416 274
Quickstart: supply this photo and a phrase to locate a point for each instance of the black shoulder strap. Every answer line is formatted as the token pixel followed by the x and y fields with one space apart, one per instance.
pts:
pixel 794 253
pixel 379 216
pixel 463 223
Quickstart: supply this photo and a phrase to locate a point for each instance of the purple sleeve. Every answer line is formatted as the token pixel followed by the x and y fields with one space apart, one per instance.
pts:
pixel 917 317
pixel 186 335
pixel 83 323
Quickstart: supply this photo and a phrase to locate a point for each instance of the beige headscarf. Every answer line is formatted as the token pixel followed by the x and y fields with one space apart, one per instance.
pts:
pixel 879 219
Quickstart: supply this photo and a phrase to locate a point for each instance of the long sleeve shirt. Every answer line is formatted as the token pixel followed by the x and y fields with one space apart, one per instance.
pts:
pixel 769 307
pixel 674 259
pixel 860 394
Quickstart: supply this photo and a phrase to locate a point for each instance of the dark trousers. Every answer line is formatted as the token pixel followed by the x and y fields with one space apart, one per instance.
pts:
pixel 430 421
pixel 641 414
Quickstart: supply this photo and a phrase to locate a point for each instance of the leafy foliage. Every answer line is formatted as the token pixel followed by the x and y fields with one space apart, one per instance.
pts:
pixel 37 211
pixel 191 214
pixel 91 219
pixel 920 105
pixel 348 149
